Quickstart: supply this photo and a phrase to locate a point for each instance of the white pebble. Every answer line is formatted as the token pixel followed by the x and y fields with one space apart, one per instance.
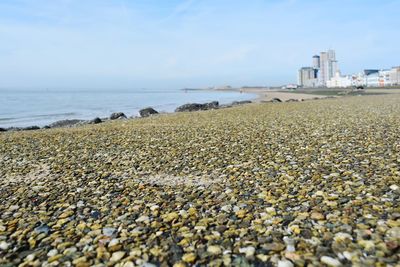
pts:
pixel 330 261
pixel 113 242
pixel 143 218
pixel 249 251
pixel 394 187
pixel 4 245
pixel 116 256
pixel 285 263
pixel 154 207
pixel 52 253
pixel 30 257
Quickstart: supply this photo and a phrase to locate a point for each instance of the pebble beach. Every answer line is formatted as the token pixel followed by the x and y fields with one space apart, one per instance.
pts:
pixel 312 183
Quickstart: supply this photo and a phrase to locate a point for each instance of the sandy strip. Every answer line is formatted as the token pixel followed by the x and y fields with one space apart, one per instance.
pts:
pixel 268 95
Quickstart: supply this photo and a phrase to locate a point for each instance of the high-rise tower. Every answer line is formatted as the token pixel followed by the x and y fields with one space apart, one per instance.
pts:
pixel 316 62
pixel 328 66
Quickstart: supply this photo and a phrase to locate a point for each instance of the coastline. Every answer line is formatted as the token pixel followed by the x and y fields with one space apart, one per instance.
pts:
pixel 87 105
pixel 263 95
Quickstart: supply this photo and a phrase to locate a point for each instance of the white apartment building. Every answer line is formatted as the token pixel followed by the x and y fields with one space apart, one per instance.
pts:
pixel 394 76
pixel 382 78
pixel 339 81
pixel 328 67
pixel 307 77
pixel 325 72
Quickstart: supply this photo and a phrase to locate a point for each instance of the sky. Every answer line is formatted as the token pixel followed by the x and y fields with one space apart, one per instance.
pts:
pixel 188 43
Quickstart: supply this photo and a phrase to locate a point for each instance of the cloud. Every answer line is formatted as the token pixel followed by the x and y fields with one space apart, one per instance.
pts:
pixel 180 9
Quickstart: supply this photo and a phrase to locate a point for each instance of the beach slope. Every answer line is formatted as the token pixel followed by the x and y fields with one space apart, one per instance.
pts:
pixel 314 182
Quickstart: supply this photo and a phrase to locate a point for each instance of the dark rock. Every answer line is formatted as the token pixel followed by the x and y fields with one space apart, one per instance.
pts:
pixel 306 233
pixel 3 130
pixel 46 127
pixel 95 214
pixel 146 112
pixel 176 253
pixel 65 123
pixel 241 261
pixel 211 105
pixel 14 129
pixel 44 228
pixel 196 106
pixel 276 100
pixel 189 107
pixel 95 121
pixel 235 103
pixel 117 115
pixel 287 219
pixel 292 100
pixel 31 128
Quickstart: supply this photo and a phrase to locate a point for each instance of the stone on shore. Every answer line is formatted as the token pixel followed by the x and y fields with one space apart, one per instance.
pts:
pixel 30 128
pixel 276 100
pixel 65 123
pixel 117 116
pixel 146 112
pixel 236 103
pixel 96 120
pixel 3 130
pixel 14 129
pixel 197 107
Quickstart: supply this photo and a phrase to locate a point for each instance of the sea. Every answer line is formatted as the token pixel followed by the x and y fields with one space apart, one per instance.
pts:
pixel 21 108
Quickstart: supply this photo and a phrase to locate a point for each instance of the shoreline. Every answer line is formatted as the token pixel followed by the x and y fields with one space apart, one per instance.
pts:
pixel 263 95
pixel 42 117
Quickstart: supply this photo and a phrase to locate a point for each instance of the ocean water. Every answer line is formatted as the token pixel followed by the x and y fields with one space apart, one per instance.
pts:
pixel 21 108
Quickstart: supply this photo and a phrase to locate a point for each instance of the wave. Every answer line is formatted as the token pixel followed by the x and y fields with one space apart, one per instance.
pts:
pixel 7 119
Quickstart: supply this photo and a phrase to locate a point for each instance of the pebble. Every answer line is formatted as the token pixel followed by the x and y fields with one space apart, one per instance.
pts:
pixel 4 245
pixel 290 244
pixel 45 229
pixel 317 216
pixel 394 187
pixel 249 251
pixel 116 256
pixel 285 263
pixel 245 186
pixel 170 217
pixel 52 253
pixel 143 219
pixel 330 261
pixel 274 246
pixel 214 250
pixel 189 257
pixel 108 231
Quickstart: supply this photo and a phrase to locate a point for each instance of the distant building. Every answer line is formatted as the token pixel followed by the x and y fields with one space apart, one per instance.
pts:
pixel 290 86
pixel 316 62
pixel 307 77
pixel 328 66
pixel 339 81
pixel 394 76
pixel 357 80
pixel 324 67
pixel 325 72
pixel 372 79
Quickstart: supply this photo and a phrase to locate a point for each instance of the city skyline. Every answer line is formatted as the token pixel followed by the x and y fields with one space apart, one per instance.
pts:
pixel 325 72
pixel 175 44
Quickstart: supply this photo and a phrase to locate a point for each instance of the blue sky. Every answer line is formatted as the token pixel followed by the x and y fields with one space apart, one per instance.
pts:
pixel 188 43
